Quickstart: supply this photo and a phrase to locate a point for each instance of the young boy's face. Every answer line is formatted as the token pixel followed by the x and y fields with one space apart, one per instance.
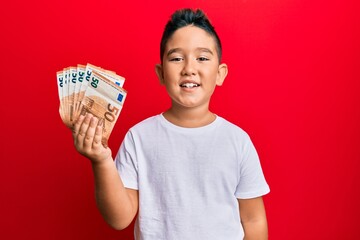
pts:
pixel 190 70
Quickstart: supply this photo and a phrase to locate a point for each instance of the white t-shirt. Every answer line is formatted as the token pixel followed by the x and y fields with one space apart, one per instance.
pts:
pixel 189 179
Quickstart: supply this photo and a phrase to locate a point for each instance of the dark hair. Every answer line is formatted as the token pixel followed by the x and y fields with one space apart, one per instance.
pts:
pixel 184 17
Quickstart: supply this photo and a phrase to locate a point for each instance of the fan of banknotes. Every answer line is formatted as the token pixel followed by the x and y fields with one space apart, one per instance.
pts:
pixel 90 89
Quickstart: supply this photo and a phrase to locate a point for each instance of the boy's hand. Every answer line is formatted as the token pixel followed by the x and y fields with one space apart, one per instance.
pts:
pixel 87 134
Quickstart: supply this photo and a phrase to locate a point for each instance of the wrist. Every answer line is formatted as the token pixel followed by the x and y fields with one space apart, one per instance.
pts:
pixel 103 163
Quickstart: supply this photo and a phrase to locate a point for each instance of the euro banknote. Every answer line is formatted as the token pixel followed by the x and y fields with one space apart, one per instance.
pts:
pixel 90 89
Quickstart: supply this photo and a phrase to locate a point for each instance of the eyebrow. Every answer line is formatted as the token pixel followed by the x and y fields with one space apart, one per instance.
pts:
pixel 200 49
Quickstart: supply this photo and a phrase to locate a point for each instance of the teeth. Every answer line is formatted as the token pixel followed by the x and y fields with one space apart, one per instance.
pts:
pixel 189 85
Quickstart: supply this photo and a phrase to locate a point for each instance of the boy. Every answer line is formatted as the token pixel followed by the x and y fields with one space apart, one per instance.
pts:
pixel 187 173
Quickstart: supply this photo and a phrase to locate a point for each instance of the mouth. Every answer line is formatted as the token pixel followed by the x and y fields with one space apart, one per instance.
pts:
pixel 189 85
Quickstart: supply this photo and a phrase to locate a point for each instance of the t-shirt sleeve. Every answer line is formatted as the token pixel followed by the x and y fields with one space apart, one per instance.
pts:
pixel 126 163
pixel 252 182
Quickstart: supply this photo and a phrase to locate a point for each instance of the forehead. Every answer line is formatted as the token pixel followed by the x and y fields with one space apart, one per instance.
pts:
pixel 190 37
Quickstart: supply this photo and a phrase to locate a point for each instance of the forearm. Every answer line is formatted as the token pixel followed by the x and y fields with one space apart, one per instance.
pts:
pixel 117 204
pixel 253 218
pixel 113 200
pixel 256 229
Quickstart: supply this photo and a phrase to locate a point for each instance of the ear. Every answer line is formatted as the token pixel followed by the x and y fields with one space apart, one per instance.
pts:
pixel 159 73
pixel 222 73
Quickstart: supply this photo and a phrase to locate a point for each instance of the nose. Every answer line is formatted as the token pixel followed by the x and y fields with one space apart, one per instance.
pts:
pixel 189 68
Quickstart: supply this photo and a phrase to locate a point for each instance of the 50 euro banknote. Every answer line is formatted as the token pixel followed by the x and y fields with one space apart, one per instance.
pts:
pixel 72 85
pixel 103 99
pixel 90 89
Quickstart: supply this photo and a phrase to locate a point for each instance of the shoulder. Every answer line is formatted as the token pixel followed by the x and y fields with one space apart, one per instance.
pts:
pixel 232 129
pixel 147 121
pixel 146 125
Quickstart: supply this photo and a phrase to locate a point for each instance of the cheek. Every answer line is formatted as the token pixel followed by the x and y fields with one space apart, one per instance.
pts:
pixel 210 75
pixel 171 73
pixel 210 68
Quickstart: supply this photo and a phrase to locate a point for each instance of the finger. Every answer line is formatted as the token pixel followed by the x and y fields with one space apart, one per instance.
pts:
pixel 83 129
pixel 89 137
pixel 76 126
pixel 98 134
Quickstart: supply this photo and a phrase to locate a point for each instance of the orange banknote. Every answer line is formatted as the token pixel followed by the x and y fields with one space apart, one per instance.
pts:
pixel 90 89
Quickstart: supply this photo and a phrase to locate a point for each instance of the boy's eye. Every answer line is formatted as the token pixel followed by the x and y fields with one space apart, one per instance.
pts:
pixel 175 59
pixel 203 59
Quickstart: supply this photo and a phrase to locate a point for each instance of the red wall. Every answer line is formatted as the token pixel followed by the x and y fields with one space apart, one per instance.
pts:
pixel 293 85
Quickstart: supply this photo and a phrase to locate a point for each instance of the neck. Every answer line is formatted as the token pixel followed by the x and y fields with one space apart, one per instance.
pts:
pixel 189 117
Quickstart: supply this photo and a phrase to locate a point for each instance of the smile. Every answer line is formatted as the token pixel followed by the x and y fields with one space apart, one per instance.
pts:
pixel 189 85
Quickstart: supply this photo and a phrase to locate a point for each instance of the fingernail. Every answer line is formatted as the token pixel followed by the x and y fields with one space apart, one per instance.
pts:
pixel 89 116
pixel 83 111
pixel 94 121
pixel 101 121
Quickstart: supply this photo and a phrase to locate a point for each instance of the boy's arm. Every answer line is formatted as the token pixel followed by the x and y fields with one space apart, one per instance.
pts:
pixel 117 204
pixel 253 218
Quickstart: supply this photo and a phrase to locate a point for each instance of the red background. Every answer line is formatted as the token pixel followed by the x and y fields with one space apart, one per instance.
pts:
pixel 293 85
